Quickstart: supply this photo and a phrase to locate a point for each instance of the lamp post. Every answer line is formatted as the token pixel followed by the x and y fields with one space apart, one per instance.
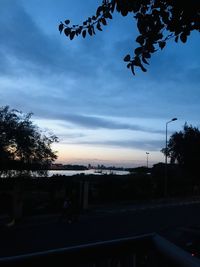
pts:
pixel 166 152
pixel 147 153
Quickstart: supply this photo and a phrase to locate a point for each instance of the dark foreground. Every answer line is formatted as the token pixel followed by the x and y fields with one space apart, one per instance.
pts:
pixel 47 232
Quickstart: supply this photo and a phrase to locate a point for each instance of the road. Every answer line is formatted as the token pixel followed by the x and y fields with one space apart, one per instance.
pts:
pixel 39 235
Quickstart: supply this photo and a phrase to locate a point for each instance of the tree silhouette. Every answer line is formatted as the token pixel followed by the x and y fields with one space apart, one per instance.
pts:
pixel 157 22
pixel 23 146
pixel 184 149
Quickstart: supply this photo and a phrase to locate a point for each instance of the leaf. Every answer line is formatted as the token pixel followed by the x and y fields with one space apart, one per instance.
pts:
pixel 141 26
pixel 147 55
pixel 143 68
pixel 93 29
pixel 61 27
pixel 162 44
pixel 138 50
pixel 145 61
pixel 67 31
pixel 99 10
pixel 103 21
pixel 132 69
pixel 129 65
pixel 127 58
pixel 108 15
pixel 72 34
pixel 183 37
pixel 124 11
pixel 137 61
pixel 67 21
pixel 176 39
pixel 99 26
pixel 84 33
pixel 113 3
pixel 90 31
pixel 140 39
pixel 78 31
pixel 151 48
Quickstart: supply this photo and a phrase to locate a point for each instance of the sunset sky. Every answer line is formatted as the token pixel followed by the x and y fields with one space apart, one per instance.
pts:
pixel 82 91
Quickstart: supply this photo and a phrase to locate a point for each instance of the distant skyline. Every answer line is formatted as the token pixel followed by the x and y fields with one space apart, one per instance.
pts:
pixel 82 91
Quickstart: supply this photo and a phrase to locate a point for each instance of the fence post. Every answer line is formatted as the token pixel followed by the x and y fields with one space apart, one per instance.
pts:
pixel 85 194
pixel 17 201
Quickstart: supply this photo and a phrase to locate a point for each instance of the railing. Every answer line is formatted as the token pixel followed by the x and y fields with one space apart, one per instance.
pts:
pixel 141 251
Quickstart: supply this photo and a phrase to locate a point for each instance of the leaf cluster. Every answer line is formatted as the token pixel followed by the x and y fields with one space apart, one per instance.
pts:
pixel 91 24
pixel 158 21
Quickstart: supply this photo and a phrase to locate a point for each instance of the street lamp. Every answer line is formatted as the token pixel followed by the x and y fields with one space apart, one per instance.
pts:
pixel 147 153
pixel 166 152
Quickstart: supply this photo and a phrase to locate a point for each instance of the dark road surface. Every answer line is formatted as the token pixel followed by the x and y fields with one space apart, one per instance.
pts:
pixel 51 234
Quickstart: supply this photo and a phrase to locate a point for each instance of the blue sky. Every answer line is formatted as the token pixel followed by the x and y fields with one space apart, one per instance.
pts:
pixel 82 91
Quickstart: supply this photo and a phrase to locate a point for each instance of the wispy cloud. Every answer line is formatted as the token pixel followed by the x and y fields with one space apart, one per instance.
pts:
pixel 93 122
pixel 146 145
pixel 33 50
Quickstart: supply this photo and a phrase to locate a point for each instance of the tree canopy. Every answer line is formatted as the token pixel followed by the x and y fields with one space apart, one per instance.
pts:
pixel 158 21
pixel 23 146
pixel 184 147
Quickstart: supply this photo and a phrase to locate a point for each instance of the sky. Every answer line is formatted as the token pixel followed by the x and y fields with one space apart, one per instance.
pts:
pixel 81 90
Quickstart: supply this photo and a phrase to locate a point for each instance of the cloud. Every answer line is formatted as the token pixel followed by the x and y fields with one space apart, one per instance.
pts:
pixel 70 136
pixel 94 122
pixel 34 50
pixel 20 37
pixel 89 76
pixel 146 145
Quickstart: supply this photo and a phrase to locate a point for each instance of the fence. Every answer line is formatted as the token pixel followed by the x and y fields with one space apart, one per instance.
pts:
pixel 149 250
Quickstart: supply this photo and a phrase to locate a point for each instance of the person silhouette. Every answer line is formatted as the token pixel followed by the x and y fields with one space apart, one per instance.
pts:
pixel 66 210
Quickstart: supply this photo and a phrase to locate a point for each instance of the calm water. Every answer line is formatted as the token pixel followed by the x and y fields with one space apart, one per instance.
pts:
pixel 86 172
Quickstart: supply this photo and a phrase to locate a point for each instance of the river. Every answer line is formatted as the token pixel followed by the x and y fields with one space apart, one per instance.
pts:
pixel 86 172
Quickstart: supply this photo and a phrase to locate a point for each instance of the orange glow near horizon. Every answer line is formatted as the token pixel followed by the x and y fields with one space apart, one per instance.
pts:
pixel 87 154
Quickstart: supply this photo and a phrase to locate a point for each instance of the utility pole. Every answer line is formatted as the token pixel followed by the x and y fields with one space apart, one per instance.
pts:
pixel 166 154
pixel 147 153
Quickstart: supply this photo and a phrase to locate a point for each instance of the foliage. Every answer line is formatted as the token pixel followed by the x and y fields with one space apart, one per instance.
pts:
pixel 157 22
pixel 141 169
pixel 23 146
pixel 183 148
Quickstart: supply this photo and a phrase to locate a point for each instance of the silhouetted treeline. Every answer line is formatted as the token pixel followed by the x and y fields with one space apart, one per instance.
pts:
pixel 23 146
pixel 68 167
pixel 183 149
pixel 44 195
